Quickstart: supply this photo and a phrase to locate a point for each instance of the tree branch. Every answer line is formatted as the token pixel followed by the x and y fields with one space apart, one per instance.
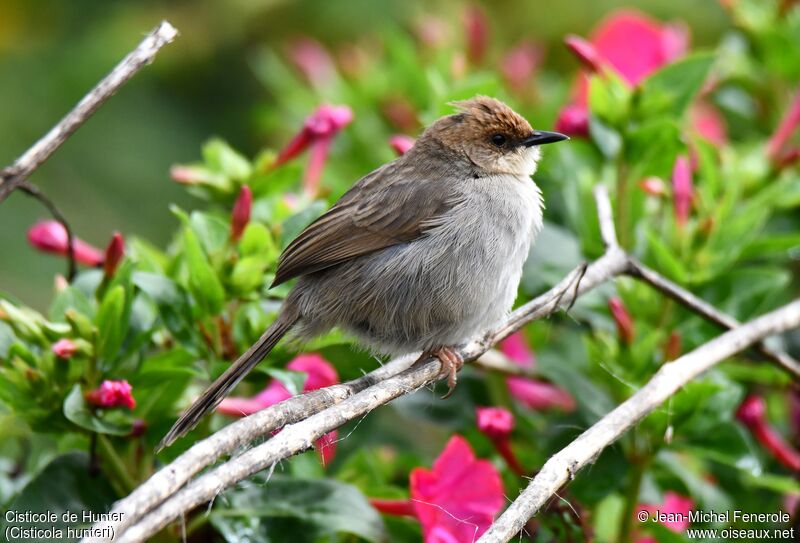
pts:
pixel 305 418
pixel 562 467
pixel 13 176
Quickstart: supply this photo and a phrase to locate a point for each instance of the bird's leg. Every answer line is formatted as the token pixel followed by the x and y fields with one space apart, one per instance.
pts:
pixel 451 360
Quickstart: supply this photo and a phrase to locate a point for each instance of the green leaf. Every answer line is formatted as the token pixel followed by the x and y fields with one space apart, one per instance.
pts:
pixel 664 260
pixel 256 240
pixel 212 231
pixel 65 484
pixel 203 282
pixel 278 508
pixel 7 337
pixel 248 274
pixel 111 324
pixel 609 98
pixel 670 90
pixel 221 157
pixel 104 421
pixel 70 298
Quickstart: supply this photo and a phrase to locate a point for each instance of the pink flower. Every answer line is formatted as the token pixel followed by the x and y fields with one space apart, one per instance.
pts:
pixel 751 413
pixel 312 60
pixel 623 320
pixel 629 42
pixel 586 53
pixel 320 374
pixel 534 394
pixel 682 189
pixel 787 126
pixel 573 120
pixel 497 423
pixel 51 237
pixel 458 499
pixel 138 429
pixel 114 255
pixel 317 134
pixel 653 186
pixel 64 348
pixel 400 143
pixel 520 63
pixel 112 394
pixel 240 215
pixel 190 175
pixel 677 509
pixel 476 29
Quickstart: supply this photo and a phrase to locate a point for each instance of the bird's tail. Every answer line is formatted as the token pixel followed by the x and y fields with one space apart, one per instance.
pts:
pixel 214 394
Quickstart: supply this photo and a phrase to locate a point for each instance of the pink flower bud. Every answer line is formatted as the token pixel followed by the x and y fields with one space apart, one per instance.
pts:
pixel 707 121
pixel 752 413
pixel 516 348
pixel 317 133
pixel 495 422
pixel 114 254
pixel 326 447
pixel 476 30
pixel 112 394
pixel 241 212
pixel 188 175
pixel 540 395
pixel 653 186
pixel 682 189
pixel 622 318
pixel 138 429
pixel 400 114
pixel 313 61
pixel 64 348
pixel 520 63
pixel 588 56
pixel 787 126
pixel 51 237
pixel 573 120
pixel 400 143
pixel 60 283
pixel 672 349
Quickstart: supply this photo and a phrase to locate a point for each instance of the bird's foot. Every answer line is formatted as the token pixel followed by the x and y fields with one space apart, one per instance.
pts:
pixel 452 361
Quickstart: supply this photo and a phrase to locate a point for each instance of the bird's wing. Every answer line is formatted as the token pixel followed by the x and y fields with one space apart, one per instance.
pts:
pixel 394 204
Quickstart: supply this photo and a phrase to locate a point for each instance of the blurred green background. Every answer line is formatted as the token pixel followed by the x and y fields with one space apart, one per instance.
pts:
pixel 113 174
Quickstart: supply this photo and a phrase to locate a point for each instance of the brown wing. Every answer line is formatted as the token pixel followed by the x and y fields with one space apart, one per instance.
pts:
pixel 394 204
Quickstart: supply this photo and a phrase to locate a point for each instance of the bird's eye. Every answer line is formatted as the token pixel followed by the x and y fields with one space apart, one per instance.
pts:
pixel 498 140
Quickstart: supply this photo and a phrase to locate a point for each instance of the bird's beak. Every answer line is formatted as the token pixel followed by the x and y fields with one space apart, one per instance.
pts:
pixel 541 137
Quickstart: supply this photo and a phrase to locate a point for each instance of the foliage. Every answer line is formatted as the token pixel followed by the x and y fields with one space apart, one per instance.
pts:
pixel 168 320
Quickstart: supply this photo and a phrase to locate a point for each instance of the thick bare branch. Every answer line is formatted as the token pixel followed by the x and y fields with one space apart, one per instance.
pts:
pixel 563 466
pixel 298 437
pixel 312 415
pixel 11 177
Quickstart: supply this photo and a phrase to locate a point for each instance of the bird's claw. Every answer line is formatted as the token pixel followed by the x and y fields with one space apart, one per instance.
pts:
pixel 452 361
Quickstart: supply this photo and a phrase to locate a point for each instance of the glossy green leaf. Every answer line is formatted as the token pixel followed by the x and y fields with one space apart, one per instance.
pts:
pixel 202 280
pixel 111 324
pixel 117 421
pixel 669 91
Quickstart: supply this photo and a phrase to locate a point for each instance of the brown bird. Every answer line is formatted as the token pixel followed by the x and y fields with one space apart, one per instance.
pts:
pixel 423 253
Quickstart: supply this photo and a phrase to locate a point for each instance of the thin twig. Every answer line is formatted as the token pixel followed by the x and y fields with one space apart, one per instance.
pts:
pixel 704 309
pixel 34 192
pixel 10 178
pixel 562 467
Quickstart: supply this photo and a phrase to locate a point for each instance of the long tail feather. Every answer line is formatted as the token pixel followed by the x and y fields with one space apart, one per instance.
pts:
pixel 214 394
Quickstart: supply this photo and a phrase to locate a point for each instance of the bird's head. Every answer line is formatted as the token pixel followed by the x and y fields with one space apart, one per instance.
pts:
pixel 492 136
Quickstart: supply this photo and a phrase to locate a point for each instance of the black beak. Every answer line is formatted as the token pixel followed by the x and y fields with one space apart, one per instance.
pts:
pixel 541 137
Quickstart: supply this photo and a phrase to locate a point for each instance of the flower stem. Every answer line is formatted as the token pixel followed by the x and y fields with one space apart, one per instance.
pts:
pixel 115 463
pixel 632 498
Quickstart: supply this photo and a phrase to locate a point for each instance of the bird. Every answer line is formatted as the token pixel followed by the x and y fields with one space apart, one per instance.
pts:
pixel 421 254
